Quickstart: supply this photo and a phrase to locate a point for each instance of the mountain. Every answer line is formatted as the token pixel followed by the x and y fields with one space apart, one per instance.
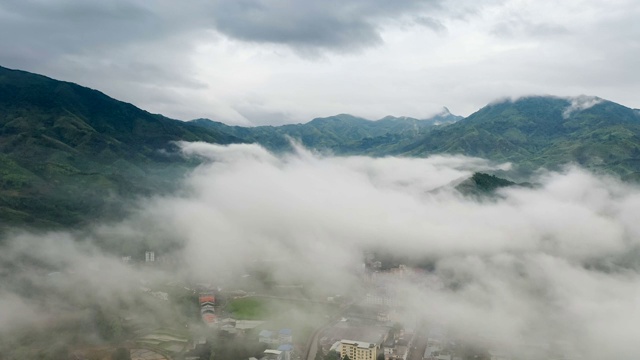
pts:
pixel 531 132
pixel 65 150
pixel 70 154
pixel 340 134
pixel 543 131
pixel 484 184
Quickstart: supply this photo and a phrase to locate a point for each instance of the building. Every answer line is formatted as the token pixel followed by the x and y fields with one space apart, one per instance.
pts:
pixel 267 337
pixel 286 349
pixel 285 336
pixel 149 256
pixel 207 308
pixel 358 350
pixel 381 297
pixel 272 355
pixel 398 352
pixel 436 352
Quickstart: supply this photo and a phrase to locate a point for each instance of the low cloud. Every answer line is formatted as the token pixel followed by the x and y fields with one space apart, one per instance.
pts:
pixel 546 270
pixel 580 103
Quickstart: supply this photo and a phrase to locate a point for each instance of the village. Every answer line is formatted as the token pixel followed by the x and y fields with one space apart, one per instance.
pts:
pixel 282 322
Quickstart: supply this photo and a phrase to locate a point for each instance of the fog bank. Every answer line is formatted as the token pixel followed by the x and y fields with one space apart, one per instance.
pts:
pixel 544 269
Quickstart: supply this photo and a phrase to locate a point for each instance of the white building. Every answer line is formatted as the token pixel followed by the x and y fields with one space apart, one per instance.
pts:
pixel 272 355
pixel 149 256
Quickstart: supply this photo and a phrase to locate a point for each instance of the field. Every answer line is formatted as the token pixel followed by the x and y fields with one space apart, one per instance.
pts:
pixel 248 308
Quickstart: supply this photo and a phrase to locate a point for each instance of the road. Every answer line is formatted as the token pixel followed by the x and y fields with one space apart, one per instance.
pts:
pixel 312 344
pixel 419 345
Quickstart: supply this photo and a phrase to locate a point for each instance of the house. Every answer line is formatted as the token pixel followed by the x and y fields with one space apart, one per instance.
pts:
pixel 246 325
pixel 286 351
pixel 396 349
pixel 285 336
pixel 436 353
pixel 272 355
pixel 267 337
pixel 399 352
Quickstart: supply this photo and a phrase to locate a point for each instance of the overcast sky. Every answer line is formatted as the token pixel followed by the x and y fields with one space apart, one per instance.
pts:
pixel 278 61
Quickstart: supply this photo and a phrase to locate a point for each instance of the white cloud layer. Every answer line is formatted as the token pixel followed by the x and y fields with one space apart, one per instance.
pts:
pixel 546 269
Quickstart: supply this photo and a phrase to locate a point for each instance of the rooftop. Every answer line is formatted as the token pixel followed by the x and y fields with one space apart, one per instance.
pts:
pixel 363 332
pixel 359 344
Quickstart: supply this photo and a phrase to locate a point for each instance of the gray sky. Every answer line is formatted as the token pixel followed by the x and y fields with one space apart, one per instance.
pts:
pixel 278 61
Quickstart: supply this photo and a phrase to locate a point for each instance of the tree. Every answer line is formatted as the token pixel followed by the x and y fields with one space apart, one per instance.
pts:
pixel 121 354
pixel 332 355
pixel 59 352
pixel 346 357
pixel 108 324
pixel 380 356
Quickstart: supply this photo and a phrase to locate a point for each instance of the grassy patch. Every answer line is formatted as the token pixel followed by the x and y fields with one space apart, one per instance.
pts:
pixel 248 308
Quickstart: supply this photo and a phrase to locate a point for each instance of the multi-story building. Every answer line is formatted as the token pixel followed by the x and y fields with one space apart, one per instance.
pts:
pixel 358 350
pixel 149 256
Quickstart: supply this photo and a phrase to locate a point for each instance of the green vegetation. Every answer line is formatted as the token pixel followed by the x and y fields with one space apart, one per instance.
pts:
pixel 490 182
pixel 121 354
pixel 341 134
pixel 531 132
pixel 70 155
pixel 233 348
pixel 250 308
pixel 484 184
pixel 332 355
pixel 535 132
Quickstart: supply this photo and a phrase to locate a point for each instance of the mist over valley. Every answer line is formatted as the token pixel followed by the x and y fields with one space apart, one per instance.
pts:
pixel 335 180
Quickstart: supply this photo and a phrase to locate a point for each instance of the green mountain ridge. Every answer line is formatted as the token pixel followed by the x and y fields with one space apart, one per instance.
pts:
pixel 70 154
pixel 342 134
pixel 483 184
pixel 535 132
pixel 65 150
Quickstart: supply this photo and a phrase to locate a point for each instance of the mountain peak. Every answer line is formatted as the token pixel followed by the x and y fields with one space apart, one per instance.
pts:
pixel 342 118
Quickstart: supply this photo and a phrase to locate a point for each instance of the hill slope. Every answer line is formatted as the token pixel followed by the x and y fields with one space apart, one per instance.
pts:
pixel 543 131
pixel 66 149
pixel 342 134
pixel 69 154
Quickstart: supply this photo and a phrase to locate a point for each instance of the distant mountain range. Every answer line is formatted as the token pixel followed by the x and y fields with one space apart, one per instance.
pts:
pixel 531 132
pixel 69 154
pixel 536 132
pixel 340 134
